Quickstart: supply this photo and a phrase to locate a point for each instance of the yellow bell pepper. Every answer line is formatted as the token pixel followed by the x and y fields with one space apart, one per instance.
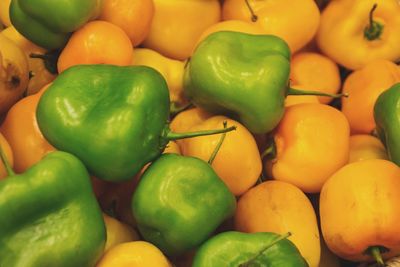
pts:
pixel 355 32
pixel 172 70
pixel 118 232
pixel 40 76
pixel 134 254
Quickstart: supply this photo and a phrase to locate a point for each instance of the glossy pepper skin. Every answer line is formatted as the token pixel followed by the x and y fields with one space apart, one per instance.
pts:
pixel 240 75
pixel 113 118
pixel 50 23
pixel 387 119
pixel 179 202
pixel 110 117
pixel 233 249
pixel 49 216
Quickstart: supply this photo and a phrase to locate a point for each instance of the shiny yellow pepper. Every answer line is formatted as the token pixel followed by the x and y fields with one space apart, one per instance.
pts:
pixel 171 69
pixel 134 254
pixel 355 32
pixel 118 232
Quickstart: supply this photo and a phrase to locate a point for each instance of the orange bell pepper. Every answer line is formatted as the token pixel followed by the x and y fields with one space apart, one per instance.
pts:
pixel 364 146
pixel 132 16
pixel 178 24
pixel 363 87
pixel 312 142
pixel 295 21
pixel 97 42
pixel 291 100
pixel 186 119
pixel 314 71
pixel 21 130
pixel 356 32
pixel 360 210
pixel 237 163
pixel 279 207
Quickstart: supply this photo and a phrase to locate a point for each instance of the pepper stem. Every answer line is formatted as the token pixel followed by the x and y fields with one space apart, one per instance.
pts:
pixel 375 252
pixel 374 29
pixel 175 108
pixel 278 239
pixel 292 91
pixel 221 140
pixel 50 60
pixel 270 151
pixel 254 17
pixel 171 136
pixel 6 163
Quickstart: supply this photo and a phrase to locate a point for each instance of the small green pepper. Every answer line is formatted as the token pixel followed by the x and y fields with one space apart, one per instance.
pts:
pixel 114 119
pixel 49 215
pixel 242 76
pixel 387 119
pixel 49 24
pixel 236 249
pixel 179 202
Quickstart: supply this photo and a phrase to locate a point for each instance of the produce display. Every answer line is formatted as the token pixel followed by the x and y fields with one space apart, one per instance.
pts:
pixel 199 133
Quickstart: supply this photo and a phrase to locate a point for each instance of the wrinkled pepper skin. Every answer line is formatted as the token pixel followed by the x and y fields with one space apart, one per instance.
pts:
pixel 387 119
pixel 231 249
pixel 50 23
pixel 242 76
pixel 179 202
pixel 112 118
pixel 49 216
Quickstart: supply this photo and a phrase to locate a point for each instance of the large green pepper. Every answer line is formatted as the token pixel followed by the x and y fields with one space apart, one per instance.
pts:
pixel 49 216
pixel 114 119
pixel 50 23
pixel 387 120
pixel 242 76
pixel 179 202
pixel 236 249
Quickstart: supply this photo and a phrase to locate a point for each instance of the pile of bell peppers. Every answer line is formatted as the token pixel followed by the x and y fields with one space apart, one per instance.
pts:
pixel 199 133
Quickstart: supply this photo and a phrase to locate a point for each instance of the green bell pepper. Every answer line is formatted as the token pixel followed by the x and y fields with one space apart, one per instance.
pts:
pixel 49 24
pixel 49 215
pixel 236 249
pixel 114 119
pixel 179 202
pixel 387 120
pixel 243 76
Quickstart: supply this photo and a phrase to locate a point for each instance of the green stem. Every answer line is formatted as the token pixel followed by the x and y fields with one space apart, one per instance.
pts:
pixel 375 252
pixel 374 29
pixel 292 91
pixel 270 151
pixel 252 259
pixel 221 140
pixel 50 60
pixel 254 17
pixel 7 165
pixel 261 178
pixel 175 108
pixel 176 136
